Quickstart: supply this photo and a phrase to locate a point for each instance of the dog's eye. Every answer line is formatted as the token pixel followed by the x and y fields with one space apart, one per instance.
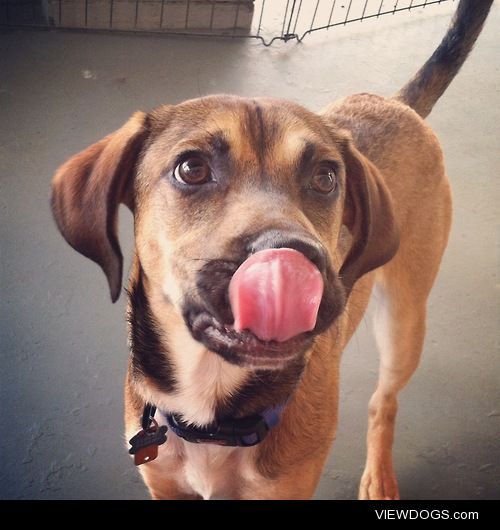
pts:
pixel 324 180
pixel 194 170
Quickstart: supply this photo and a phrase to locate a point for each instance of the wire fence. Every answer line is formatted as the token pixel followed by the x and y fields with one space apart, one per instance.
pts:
pixel 266 20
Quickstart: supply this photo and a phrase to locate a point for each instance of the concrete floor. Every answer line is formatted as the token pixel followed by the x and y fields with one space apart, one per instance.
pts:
pixel 63 344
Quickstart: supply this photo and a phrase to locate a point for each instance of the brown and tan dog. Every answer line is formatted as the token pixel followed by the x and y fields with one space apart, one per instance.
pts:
pixel 359 189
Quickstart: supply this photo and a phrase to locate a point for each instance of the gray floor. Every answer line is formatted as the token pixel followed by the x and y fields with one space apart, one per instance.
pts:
pixel 63 345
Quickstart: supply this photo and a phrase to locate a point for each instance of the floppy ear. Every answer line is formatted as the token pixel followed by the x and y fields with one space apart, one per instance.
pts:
pixel 369 216
pixel 86 193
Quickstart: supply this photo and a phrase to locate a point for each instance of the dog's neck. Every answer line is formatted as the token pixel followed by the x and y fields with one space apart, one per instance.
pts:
pixel 178 374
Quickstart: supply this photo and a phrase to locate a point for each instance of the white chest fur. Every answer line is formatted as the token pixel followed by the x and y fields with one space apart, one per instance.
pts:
pixel 202 379
pixel 206 468
pixel 210 471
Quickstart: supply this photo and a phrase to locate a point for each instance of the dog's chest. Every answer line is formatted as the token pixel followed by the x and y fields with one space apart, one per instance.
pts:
pixel 211 471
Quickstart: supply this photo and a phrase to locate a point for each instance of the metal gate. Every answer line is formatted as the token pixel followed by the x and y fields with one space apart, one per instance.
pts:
pixel 266 20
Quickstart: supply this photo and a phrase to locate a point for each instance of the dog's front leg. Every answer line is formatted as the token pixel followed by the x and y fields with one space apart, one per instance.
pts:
pixel 401 291
pixel 399 330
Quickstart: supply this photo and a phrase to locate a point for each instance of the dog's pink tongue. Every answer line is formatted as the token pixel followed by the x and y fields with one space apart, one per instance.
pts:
pixel 276 294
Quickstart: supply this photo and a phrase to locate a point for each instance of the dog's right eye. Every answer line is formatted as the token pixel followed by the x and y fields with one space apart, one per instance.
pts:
pixel 193 171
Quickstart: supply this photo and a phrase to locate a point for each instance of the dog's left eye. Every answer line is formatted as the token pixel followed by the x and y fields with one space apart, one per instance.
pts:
pixel 324 180
pixel 193 170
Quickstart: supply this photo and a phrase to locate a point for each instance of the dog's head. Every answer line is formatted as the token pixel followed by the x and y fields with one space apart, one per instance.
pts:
pixel 211 182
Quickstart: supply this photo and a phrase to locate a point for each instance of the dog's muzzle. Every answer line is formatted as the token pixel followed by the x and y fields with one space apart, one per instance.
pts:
pixel 282 291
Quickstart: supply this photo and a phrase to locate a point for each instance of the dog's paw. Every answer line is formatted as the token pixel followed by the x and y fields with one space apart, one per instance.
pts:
pixel 378 483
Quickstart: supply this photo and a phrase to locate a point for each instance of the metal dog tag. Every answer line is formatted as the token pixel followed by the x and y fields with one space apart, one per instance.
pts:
pixel 146 442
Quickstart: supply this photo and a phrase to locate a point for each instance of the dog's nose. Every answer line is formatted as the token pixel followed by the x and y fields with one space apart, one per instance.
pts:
pixel 312 249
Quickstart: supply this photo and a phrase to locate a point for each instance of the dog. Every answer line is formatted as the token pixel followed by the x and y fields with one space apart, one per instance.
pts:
pixel 261 230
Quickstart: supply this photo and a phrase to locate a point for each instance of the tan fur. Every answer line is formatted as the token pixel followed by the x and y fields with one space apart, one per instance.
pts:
pixel 385 229
pixel 393 179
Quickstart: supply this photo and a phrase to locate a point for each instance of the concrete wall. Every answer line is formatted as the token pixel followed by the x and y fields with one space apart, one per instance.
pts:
pixel 146 15
pixel 63 344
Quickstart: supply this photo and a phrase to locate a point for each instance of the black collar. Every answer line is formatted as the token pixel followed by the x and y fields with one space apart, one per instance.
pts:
pixel 241 432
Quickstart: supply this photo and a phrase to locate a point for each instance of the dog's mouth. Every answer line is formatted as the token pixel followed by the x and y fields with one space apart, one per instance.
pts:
pixel 244 347
pixel 265 312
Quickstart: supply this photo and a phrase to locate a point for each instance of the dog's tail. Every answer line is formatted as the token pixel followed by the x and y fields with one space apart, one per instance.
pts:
pixel 429 83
